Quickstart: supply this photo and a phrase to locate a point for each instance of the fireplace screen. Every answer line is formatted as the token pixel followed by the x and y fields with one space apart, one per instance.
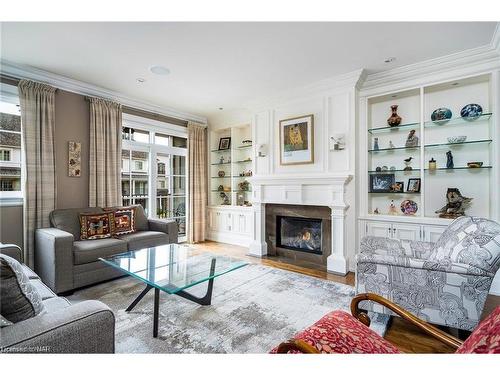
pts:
pixel 297 233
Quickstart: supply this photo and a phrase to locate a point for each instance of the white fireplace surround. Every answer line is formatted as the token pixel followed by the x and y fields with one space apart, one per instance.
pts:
pixel 314 190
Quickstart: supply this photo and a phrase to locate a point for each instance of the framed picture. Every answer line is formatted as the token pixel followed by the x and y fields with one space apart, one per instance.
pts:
pixel 398 187
pixel 413 185
pixel 297 140
pixel 225 143
pixel 74 159
pixel 381 183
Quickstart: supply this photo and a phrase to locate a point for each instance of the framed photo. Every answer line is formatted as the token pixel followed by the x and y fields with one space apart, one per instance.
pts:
pixel 74 159
pixel 398 187
pixel 413 185
pixel 225 143
pixel 297 140
pixel 381 183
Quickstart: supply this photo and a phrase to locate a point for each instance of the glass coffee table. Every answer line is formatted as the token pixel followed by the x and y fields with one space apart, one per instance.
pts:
pixel 172 269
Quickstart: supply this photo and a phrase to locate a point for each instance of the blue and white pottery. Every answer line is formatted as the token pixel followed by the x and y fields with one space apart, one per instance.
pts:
pixel 471 111
pixel 441 114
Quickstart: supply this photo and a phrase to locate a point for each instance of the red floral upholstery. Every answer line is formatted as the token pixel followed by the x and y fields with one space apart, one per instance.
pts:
pixel 339 332
pixel 486 337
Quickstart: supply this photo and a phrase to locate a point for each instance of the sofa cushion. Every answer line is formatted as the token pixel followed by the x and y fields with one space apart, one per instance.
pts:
pixel 470 240
pixel 97 226
pixel 20 299
pixel 142 240
pixel 91 251
pixel 340 332
pixel 68 219
pixel 485 338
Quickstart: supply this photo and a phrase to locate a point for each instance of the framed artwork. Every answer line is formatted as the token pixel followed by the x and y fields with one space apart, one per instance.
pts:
pixel 74 159
pixel 225 143
pixel 297 140
pixel 413 185
pixel 381 183
pixel 398 187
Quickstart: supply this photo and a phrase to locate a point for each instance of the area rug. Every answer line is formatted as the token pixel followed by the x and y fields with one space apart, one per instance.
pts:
pixel 253 309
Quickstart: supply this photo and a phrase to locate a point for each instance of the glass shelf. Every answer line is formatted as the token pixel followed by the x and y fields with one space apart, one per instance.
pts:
pixel 225 163
pixel 242 191
pixel 221 177
pixel 415 170
pixel 395 148
pixel 242 176
pixel 457 121
pixel 221 191
pixel 242 161
pixel 391 128
pixel 228 150
pixel 459 168
pixel 459 144
pixel 244 146
pixel 393 192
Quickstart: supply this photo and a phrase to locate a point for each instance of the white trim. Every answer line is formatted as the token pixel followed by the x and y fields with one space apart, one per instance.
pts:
pixel 72 85
pixel 143 123
pixel 495 40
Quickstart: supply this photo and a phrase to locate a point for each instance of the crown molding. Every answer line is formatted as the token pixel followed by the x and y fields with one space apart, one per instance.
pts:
pixel 83 88
pixel 471 61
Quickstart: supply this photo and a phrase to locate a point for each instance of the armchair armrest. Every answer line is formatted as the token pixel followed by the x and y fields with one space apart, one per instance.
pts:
pixel 382 245
pixel 85 327
pixel 298 345
pixel 12 251
pixel 54 258
pixel 426 327
pixel 168 227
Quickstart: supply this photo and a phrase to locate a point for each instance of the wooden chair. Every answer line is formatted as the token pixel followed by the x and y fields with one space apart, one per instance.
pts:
pixel 339 332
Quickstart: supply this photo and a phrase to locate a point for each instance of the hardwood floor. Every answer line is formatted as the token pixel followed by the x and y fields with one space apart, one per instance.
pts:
pixel 406 337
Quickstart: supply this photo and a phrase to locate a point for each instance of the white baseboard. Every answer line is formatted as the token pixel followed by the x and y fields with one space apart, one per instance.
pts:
pixel 231 239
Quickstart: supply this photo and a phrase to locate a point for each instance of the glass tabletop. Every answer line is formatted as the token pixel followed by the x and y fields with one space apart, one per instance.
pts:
pixel 173 267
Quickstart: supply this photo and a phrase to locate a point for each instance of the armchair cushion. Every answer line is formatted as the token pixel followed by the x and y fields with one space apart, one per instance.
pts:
pixel 486 337
pixel 470 240
pixel 340 332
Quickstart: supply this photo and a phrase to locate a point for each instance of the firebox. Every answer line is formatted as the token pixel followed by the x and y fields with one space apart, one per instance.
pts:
pixel 299 234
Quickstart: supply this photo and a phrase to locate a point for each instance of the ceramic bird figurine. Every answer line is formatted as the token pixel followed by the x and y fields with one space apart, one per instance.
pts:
pixel 409 159
pixel 455 206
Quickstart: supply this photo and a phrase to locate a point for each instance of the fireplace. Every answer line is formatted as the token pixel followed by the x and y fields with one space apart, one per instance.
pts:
pixel 299 234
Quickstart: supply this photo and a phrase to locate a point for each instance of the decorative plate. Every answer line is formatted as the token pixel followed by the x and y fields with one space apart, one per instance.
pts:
pixel 409 207
pixel 441 114
pixel 471 111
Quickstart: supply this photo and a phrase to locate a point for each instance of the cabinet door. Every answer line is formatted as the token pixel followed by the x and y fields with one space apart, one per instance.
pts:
pixel 409 232
pixel 378 229
pixel 227 221
pixel 243 223
pixel 432 232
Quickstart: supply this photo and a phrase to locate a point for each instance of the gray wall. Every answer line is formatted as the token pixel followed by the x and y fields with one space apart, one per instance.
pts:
pixel 72 124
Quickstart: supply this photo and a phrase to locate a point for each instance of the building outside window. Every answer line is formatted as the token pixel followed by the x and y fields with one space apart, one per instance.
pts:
pixel 4 155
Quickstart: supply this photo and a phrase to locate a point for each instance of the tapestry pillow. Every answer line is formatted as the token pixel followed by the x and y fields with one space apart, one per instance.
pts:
pixel 20 299
pixel 96 226
pixel 124 219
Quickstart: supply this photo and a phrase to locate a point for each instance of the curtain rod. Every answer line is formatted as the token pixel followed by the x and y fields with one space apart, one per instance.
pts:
pixel 15 81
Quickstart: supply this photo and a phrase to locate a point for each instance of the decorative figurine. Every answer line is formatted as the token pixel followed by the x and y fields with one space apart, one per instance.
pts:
pixel 449 160
pixel 385 168
pixel 375 144
pixel 432 164
pixel 220 188
pixel 221 160
pixel 378 169
pixel 392 168
pixel 412 140
pixel 395 119
pixel 456 204
pixel 221 173
pixel 244 185
pixel 376 211
pixel 407 163
pixel 392 208
pixel 407 169
pixel 391 145
pixel 225 199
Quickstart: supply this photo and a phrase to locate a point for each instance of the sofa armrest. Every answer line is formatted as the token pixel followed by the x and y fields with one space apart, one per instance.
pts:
pixel 169 227
pixel 12 251
pixel 85 327
pixel 54 258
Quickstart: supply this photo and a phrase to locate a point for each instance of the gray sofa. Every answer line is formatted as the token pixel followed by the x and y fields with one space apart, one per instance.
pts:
pixel 85 327
pixel 64 262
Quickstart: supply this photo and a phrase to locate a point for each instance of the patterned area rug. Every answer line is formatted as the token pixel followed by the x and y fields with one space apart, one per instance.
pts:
pixel 253 309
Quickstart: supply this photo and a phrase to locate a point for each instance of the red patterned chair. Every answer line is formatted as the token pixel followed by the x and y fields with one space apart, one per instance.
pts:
pixel 340 332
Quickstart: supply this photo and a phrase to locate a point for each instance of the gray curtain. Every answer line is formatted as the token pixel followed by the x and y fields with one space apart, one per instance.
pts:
pixel 38 121
pixel 105 153
pixel 197 177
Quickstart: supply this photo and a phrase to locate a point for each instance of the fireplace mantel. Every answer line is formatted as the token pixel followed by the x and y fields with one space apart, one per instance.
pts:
pixel 317 190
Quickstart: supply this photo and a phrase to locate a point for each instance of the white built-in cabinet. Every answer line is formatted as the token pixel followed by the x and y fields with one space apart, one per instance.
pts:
pixel 401 231
pixel 232 225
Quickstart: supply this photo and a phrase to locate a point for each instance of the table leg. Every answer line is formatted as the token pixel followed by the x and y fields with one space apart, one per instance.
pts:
pixel 139 297
pixel 207 298
pixel 156 312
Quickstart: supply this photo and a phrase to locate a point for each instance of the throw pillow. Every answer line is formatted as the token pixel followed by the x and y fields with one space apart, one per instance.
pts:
pixel 96 226
pixel 124 219
pixel 20 299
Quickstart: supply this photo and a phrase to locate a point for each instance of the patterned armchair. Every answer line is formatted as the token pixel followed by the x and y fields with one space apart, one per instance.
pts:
pixel 444 283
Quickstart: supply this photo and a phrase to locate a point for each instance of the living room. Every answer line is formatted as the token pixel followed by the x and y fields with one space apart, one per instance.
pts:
pixel 249 187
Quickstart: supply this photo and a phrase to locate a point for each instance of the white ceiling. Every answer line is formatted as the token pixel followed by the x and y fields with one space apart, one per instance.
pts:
pixel 227 64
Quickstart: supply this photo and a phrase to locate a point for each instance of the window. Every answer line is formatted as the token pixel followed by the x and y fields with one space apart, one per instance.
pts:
pixel 10 143
pixel 4 155
pixel 154 169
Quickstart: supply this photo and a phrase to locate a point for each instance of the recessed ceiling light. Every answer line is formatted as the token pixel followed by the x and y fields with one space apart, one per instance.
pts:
pixel 394 96
pixel 140 80
pixel 455 84
pixel 160 70
pixel 220 108
pixel 389 60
